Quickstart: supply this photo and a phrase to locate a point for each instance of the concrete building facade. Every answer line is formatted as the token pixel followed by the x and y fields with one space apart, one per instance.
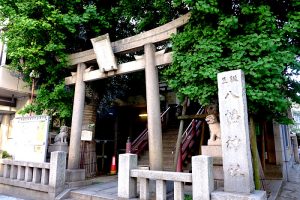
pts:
pixel 14 95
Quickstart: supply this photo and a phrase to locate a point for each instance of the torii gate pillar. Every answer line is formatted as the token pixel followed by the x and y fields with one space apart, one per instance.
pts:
pixel 76 127
pixel 153 109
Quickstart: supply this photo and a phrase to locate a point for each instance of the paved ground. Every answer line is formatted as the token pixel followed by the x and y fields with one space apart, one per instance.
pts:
pixel 107 186
pixel 3 197
pixel 291 189
pixel 99 190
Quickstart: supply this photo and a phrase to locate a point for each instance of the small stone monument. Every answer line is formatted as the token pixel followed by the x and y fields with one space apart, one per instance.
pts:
pixel 237 163
pixel 60 141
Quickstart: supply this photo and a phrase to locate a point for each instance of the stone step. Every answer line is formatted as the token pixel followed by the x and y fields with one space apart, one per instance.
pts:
pixel 170 134
pixel 88 195
pixel 171 137
pixel 164 161
pixel 147 161
pixel 169 152
pixel 165 165
pixel 169 145
pixel 166 157
pixel 171 130
pixel 169 142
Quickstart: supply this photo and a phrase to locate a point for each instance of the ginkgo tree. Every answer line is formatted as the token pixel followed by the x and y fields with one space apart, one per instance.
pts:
pixel 40 34
pixel 259 37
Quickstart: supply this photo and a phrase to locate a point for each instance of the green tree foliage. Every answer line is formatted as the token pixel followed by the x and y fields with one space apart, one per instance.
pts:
pixel 39 34
pixel 57 101
pixel 259 37
pixel 148 14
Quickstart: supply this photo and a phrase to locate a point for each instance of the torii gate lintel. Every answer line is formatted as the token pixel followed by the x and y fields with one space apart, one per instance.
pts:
pixel 124 68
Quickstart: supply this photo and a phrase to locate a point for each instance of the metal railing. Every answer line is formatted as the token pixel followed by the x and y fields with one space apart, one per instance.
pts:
pixel 140 143
pixel 189 136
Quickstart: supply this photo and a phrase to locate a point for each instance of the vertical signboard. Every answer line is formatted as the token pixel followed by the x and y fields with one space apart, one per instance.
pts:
pixel 31 138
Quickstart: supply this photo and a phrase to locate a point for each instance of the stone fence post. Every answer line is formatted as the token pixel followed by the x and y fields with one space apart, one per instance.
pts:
pixel 127 185
pixel 295 148
pixel 202 177
pixel 57 173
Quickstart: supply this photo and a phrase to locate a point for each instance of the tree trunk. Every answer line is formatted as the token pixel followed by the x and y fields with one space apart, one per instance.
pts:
pixel 179 137
pixel 255 155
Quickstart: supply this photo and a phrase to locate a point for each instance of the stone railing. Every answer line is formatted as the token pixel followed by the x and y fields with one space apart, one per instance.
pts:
pixel 42 177
pixel 201 179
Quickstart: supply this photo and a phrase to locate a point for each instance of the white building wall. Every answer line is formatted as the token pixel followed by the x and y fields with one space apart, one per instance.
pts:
pixel 12 83
pixel 283 149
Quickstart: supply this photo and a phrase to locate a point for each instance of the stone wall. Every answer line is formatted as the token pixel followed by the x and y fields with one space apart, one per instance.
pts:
pixel 33 180
pixel 201 179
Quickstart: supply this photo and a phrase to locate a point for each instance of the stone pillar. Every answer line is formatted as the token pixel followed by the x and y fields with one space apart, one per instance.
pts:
pixel 6 171
pixel 45 176
pixel 178 190
pixel 295 148
pixel 237 163
pixel 202 177
pixel 57 172
pixel 127 186
pixel 144 189
pixel 28 174
pixel 13 172
pixel 161 190
pixel 76 127
pixel 37 174
pixel 279 146
pixel 153 109
pixel 21 173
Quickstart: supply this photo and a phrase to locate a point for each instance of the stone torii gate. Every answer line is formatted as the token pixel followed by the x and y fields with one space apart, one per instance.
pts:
pixel 147 62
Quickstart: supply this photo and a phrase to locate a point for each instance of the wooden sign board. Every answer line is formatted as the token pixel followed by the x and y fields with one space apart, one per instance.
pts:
pixel 86 135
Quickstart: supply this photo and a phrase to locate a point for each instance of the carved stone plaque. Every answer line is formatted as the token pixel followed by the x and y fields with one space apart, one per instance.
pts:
pixel 237 164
